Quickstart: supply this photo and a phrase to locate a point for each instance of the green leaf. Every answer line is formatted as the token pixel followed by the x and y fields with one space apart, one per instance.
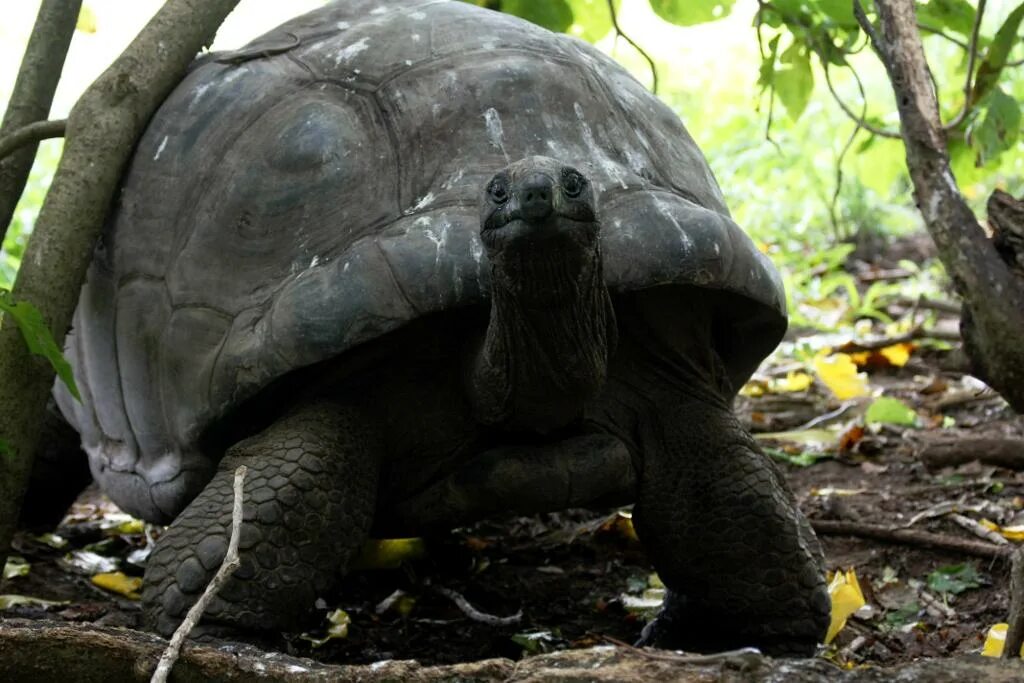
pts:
pixel 691 12
pixel 886 410
pixel 804 459
pixel 555 15
pixel 794 83
pixel 998 52
pixel 839 11
pixel 766 74
pixel 591 19
pixel 954 579
pixel 38 338
pixel 996 128
pixel 957 15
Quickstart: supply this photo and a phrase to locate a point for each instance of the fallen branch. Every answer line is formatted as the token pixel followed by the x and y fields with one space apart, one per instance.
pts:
pixel 921 539
pixel 31 134
pixel 227 568
pixel 1008 453
pixel 475 614
pixel 742 659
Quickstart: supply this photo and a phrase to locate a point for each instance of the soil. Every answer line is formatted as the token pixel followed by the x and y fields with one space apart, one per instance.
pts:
pixel 574 576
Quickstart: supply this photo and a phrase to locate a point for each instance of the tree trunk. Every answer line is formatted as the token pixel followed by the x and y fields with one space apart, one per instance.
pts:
pixel 33 94
pixel 102 131
pixel 993 323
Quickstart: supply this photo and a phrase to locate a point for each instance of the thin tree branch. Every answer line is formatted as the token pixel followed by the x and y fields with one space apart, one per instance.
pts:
pixel 939 32
pixel 30 134
pixel 859 120
pixel 620 32
pixel 32 95
pixel 972 55
pixel 227 568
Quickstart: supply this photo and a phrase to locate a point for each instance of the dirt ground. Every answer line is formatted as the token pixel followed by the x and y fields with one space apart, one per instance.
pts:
pixel 579 578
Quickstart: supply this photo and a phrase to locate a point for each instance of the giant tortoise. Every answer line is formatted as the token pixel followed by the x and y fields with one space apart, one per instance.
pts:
pixel 415 263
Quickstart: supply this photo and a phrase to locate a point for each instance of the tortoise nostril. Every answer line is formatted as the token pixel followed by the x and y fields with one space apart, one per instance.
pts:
pixel 535 194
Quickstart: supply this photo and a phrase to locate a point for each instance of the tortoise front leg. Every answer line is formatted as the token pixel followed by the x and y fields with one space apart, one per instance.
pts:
pixel 308 505
pixel 739 558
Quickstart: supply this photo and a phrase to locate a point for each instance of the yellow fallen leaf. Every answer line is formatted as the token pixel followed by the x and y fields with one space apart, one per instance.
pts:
pixel 995 641
pixel 389 553
pixel 754 388
pixel 795 381
pixel 1011 533
pixel 339 621
pixel 847 598
pixel 117 582
pixel 86 20
pixel 898 354
pixel 839 373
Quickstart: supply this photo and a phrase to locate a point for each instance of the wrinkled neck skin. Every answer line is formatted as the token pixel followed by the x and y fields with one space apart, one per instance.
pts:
pixel 549 338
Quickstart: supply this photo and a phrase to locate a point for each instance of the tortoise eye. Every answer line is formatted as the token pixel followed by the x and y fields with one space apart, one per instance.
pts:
pixel 572 182
pixel 498 191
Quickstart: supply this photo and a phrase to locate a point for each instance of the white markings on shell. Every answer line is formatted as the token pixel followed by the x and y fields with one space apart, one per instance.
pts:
pixel 350 51
pixel 684 240
pixel 314 262
pixel 606 163
pixel 379 10
pixel 342 25
pixel 423 202
pixel 200 92
pixel 495 133
pixel 417 15
pixel 160 149
pixel 450 183
pixel 415 37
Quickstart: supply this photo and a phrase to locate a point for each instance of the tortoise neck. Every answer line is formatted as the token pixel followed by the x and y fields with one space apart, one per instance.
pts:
pixel 541 360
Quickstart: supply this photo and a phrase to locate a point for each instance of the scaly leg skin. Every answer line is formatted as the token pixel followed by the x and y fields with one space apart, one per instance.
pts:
pixel 741 562
pixel 309 497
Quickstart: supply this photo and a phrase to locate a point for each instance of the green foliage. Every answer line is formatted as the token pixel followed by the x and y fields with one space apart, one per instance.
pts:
pixel 795 80
pixel 38 338
pixel 954 579
pixel 689 12
pixel 555 15
pixel 995 128
pixel 998 54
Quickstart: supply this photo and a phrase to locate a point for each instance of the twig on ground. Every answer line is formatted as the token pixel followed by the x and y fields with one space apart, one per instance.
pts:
pixel 978 530
pixel 825 417
pixel 957 398
pixel 227 568
pixel 747 657
pixel 33 132
pixel 932 304
pixel 921 539
pixel 475 614
pixel 1008 453
pixel 1015 632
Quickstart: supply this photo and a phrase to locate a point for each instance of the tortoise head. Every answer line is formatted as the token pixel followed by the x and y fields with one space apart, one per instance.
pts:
pixel 552 326
pixel 539 227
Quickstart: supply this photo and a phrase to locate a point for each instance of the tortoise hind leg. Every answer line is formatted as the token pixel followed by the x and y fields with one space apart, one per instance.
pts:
pixel 308 504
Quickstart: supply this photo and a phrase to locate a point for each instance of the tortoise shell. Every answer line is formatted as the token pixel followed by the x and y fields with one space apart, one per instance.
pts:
pixel 318 189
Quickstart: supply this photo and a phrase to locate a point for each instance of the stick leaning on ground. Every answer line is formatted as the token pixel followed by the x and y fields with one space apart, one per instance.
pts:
pixel 227 568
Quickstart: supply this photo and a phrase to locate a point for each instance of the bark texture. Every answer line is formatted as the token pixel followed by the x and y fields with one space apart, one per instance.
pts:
pixel 40 651
pixel 33 93
pixel 102 130
pixel 993 323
